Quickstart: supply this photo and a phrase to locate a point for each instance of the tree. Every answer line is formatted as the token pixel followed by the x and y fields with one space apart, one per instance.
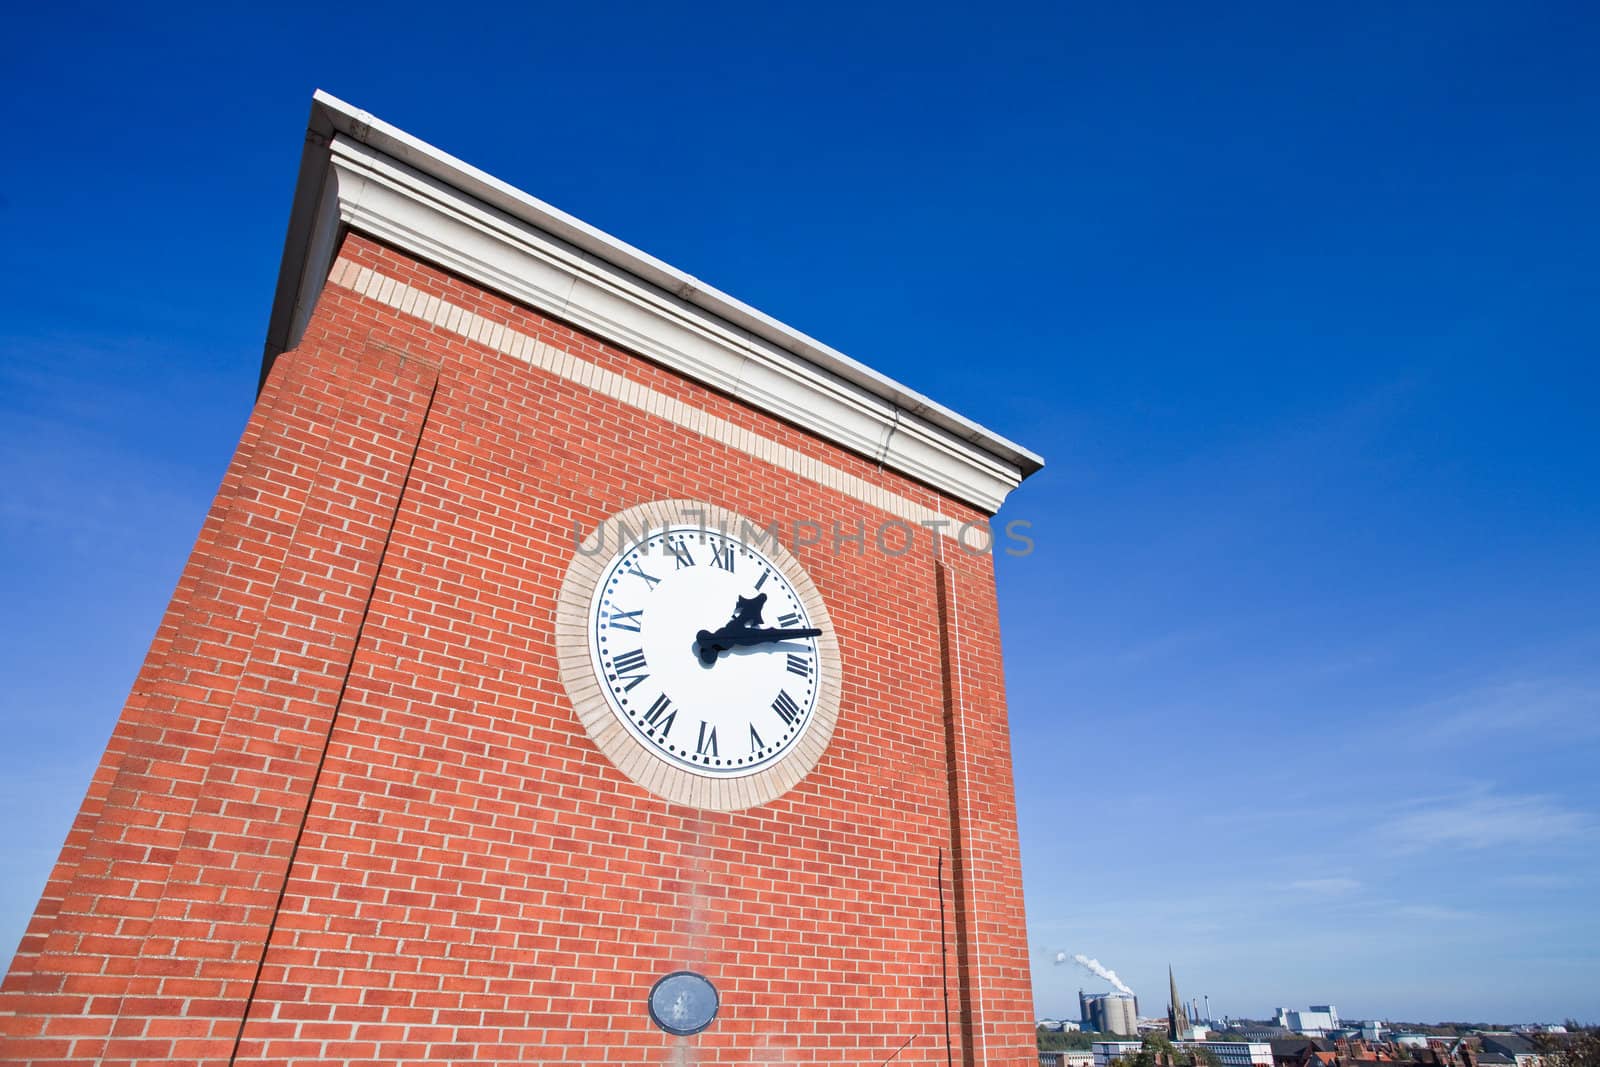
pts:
pixel 1580 1049
pixel 1057 1040
pixel 1157 1051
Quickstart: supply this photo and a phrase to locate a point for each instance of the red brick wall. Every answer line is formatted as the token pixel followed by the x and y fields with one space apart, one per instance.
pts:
pixel 348 814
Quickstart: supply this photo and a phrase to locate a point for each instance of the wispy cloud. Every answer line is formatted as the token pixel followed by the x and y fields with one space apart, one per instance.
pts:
pixel 1325 886
pixel 1535 881
pixel 1485 821
pixel 83 465
pixel 1563 705
pixel 1434 912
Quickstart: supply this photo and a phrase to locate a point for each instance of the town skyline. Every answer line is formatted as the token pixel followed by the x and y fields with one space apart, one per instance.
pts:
pixel 1154 1002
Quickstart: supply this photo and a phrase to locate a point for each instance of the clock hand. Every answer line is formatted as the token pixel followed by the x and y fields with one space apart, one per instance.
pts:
pixel 712 644
pixel 730 639
pixel 748 613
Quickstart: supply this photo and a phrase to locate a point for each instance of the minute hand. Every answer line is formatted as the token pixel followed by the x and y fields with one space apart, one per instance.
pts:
pixel 735 637
pixel 751 636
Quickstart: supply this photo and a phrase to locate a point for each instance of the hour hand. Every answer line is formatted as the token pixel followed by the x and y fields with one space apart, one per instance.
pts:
pixel 713 644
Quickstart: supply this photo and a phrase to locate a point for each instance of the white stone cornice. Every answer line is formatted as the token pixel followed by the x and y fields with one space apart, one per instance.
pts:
pixel 575 368
pixel 362 174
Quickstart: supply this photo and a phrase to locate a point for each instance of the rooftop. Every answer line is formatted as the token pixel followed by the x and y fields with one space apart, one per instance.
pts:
pixel 357 172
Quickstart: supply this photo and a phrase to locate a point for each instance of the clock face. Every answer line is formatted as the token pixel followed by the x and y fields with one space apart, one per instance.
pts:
pixel 705 650
pixel 698 654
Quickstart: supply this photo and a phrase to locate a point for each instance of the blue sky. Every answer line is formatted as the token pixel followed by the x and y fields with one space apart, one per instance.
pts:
pixel 1298 303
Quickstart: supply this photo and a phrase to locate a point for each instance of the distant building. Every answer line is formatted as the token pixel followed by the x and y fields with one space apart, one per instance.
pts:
pixel 1072 1057
pixel 1518 1048
pixel 1107 1052
pixel 1294 1051
pixel 1263 1033
pixel 1451 1052
pixel 1236 1053
pixel 1109 1013
pixel 1410 1040
pixel 1317 1021
pixel 1177 1018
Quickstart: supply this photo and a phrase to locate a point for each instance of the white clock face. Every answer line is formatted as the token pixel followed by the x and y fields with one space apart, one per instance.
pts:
pixel 705 651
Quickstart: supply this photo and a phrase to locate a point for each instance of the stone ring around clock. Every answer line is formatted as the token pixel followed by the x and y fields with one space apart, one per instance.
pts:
pixel 735 734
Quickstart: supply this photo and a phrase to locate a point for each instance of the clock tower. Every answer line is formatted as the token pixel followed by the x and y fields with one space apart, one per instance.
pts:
pixel 576 666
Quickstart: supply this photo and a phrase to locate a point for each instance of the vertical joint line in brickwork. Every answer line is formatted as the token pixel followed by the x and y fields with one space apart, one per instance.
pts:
pixel 944 963
pixel 344 684
pixel 959 779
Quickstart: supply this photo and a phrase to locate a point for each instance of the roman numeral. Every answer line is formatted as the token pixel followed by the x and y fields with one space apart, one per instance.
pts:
pixel 791 619
pixel 799 665
pixel 680 552
pixel 707 745
pixel 660 716
pixel 722 558
pixel 625 620
pixel 756 744
pixel 630 668
pixel 649 578
pixel 762 580
pixel 786 708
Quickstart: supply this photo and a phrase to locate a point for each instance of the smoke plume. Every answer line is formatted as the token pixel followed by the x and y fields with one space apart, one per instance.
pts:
pixel 1094 966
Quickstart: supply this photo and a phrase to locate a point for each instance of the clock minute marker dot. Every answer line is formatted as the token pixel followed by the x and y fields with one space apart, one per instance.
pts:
pixel 785 707
pixel 631 666
pixel 706 746
pixel 661 714
pixel 649 579
pixel 626 670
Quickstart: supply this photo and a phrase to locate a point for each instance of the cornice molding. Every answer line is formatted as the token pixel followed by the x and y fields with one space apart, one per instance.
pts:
pixel 573 367
pixel 360 174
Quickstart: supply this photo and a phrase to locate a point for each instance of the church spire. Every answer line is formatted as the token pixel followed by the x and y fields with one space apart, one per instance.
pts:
pixel 1177 1018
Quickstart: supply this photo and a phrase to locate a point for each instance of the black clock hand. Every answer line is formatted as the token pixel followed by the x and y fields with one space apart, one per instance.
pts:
pixel 733 638
pixel 711 644
pixel 748 613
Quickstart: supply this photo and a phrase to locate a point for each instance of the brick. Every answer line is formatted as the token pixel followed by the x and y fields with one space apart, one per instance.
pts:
pixel 349 794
